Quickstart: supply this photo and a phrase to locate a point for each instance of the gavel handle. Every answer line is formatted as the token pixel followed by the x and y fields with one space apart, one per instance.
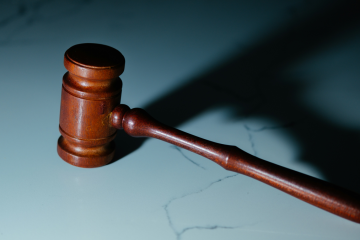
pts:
pixel 344 203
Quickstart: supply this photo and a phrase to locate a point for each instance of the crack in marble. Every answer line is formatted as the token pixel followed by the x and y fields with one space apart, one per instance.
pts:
pixel 210 227
pixel 251 140
pixel 285 125
pixel 171 224
pixel 248 130
pixel 30 13
pixel 190 160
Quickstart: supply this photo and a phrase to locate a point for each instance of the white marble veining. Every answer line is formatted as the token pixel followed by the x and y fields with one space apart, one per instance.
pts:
pixel 277 79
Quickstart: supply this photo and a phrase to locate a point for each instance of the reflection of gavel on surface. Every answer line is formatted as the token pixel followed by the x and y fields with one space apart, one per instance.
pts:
pixel 90 114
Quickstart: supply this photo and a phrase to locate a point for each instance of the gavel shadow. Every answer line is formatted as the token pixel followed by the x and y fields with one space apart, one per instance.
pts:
pixel 256 78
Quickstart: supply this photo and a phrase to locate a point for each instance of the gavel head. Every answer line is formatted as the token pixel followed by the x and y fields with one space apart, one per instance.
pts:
pixel 91 90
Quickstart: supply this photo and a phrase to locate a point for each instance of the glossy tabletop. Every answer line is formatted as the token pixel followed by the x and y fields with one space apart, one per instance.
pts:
pixel 277 79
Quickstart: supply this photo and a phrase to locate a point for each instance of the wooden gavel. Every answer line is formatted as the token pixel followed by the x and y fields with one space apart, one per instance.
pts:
pixel 91 112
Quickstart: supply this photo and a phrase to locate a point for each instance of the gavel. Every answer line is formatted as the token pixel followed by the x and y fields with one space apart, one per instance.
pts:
pixel 91 113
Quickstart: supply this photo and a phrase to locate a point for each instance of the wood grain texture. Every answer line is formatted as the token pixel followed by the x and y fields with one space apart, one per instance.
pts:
pixel 90 114
pixel 344 203
pixel 91 90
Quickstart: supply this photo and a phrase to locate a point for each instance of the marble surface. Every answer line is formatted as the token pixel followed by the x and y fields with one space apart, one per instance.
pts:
pixel 279 80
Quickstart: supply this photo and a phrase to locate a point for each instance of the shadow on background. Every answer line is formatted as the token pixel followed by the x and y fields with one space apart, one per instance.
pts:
pixel 254 80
